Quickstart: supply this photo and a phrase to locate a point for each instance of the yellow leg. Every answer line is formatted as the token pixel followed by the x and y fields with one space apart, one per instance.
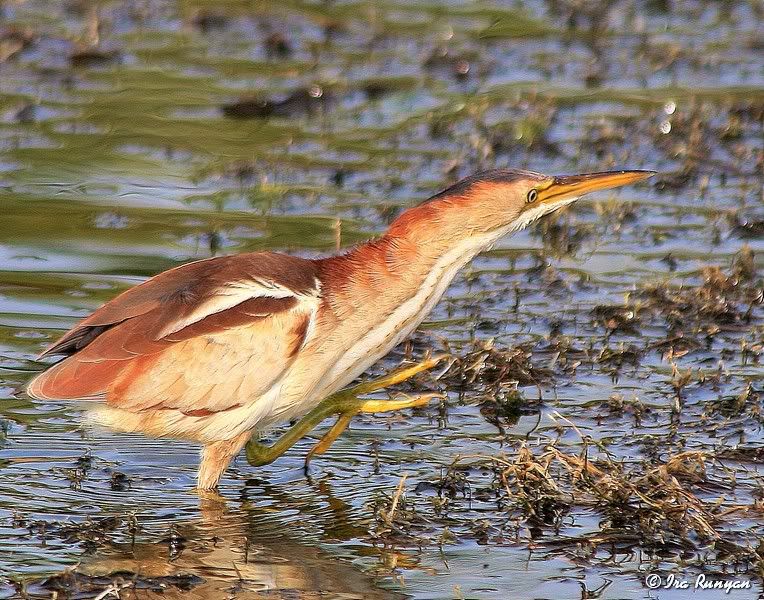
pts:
pixel 347 404
pixel 330 436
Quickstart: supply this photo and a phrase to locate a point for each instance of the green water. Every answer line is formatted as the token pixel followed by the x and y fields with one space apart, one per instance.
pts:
pixel 135 136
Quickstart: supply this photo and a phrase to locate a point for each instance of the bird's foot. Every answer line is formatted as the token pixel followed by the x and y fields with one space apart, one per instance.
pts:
pixel 397 376
pixel 365 406
pixel 346 404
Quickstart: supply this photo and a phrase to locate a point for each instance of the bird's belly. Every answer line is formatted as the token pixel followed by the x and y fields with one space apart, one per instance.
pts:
pixel 294 399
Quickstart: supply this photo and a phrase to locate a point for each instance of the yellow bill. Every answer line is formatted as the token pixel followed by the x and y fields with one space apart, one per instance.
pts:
pixel 564 187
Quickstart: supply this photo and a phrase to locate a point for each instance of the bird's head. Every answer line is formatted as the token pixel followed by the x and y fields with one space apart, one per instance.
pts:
pixel 536 195
pixel 493 203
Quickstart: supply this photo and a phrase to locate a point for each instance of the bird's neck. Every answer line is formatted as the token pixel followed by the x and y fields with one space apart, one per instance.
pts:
pixel 378 293
pixel 416 259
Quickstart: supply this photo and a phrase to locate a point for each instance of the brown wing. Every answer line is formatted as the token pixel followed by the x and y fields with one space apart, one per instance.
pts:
pixel 200 338
pixel 179 291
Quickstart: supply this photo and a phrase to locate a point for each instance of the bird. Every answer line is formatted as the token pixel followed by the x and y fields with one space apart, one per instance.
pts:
pixel 217 350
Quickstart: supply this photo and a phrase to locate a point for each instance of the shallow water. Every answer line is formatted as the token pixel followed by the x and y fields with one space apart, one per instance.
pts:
pixel 130 143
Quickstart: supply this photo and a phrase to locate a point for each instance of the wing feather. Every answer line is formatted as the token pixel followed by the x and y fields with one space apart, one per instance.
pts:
pixel 201 338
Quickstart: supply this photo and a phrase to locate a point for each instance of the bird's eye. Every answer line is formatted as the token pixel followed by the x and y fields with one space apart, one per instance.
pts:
pixel 531 197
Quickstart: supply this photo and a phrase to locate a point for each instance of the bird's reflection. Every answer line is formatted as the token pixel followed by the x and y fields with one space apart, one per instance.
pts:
pixel 239 550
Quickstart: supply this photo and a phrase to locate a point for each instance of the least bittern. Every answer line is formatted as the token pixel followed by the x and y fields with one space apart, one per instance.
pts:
pixel 216 350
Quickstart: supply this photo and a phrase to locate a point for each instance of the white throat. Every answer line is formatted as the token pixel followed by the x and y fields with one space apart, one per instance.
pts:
pixel 534 214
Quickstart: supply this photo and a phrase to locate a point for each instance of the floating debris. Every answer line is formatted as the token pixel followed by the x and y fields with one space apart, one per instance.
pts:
pixel 494 369
pixel 304 101
pixel 93 57
pixel 109 586
pixel 209 21
pixel 277 46
pixel 14 40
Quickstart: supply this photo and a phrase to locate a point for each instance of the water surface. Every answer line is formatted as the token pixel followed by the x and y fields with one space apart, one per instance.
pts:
pixel 138 136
